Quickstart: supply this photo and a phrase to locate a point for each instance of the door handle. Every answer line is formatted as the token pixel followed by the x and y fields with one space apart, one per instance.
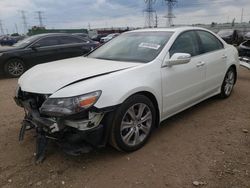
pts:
pixel 224 56
pixel 200 64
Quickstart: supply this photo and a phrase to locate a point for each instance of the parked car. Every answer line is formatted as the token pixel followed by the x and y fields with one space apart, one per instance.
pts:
pixel 231 36
pixel 83 35
pixel 121 91
pixel 247 36
pixel 244 49
pixel 87 39
pixel 14 61
pixel 7 41
pixel 109 37
pixel 98 37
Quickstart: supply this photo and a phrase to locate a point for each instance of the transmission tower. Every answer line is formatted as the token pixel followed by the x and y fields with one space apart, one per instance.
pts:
pixel 1 27
pixel 149 20
pixel 40 18
pixel 25 25
pixel 170 15
pixel 242 15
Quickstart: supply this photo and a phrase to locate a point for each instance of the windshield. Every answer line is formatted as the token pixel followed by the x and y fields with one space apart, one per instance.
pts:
pixel 133 47
pixel 225 32
pixel 25 42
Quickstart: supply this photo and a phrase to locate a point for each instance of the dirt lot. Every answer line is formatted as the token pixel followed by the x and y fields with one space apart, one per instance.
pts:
pixel 207 143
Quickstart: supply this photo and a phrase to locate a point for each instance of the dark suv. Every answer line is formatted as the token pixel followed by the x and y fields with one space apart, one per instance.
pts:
pixel 40 49
pixel 231 36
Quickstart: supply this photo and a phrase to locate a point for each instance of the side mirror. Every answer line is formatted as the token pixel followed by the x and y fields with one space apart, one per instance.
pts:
pixel 177 59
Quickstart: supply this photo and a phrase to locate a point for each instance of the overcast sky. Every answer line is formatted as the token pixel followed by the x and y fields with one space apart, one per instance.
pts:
pixel 116 13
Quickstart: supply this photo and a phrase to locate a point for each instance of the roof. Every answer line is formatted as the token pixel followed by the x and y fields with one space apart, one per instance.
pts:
pixel 172 29
pixel 51 34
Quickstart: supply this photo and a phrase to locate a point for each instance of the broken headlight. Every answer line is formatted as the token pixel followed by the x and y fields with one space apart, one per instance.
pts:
pixel 69 105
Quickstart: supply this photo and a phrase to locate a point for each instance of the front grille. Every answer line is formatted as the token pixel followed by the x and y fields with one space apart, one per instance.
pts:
pixel 37 99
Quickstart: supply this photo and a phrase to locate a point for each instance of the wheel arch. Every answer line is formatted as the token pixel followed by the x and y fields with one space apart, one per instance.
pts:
pixel 14 57
pixel 153 99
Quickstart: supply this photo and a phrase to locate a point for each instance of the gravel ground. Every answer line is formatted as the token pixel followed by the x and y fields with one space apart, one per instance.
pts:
pixel 205 146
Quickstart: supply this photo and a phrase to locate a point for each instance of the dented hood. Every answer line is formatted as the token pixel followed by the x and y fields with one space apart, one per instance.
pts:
pixel 49 77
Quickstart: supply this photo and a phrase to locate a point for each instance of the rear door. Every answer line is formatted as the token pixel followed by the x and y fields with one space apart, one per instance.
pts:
pixel 71 46
pixel 182 85
pixel 214 57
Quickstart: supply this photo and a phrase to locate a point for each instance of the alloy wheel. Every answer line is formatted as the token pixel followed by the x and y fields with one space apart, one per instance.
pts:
pixel 15 67
pixel 136 124
pixel 229 82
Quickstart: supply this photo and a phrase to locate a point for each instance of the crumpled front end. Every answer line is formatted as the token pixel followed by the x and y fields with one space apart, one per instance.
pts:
pixel 75 133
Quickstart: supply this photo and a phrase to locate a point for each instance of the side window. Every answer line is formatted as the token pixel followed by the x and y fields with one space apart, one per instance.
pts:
pixel 48 41
pixel 186 43
pixel 209 42
pixel 70 40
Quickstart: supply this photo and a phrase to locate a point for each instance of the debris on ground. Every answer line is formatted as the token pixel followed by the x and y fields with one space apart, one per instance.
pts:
pixel 198 183
pixel 244 130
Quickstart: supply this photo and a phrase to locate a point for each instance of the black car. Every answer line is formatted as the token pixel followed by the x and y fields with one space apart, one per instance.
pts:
pixel 40 49
pixel 231 36
pixel 244 49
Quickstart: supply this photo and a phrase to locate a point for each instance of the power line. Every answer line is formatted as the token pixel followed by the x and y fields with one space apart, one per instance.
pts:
pixel 170 15
pixel 1 27
pixel 149 20
pixel 25 24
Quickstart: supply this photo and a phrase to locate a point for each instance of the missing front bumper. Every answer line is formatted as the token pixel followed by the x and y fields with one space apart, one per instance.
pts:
pixel 74 136
pixel 70 140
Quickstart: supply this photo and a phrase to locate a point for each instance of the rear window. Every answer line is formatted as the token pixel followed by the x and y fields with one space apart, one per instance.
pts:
pixel 48 41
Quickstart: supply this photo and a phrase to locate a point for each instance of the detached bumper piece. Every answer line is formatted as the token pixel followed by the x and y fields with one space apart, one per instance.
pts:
pixel 69 133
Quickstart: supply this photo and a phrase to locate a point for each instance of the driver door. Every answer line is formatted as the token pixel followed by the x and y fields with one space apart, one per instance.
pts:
pixel 182 85
pixel 45 50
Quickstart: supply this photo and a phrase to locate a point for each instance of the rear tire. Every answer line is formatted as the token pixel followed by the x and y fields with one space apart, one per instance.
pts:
pixel 14 68
pixel 133 123
pixel 228 83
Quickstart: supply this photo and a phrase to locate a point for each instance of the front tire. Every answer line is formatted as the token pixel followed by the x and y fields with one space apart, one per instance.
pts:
pixel 14 68
pixel 228 83
pixel 133 123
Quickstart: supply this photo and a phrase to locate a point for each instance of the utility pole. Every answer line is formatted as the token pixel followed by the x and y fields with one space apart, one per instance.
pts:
pixel 156 20
pixel 149 20
pixel 242 12
pixel 16 28
pixel 170 15
pixel 40 18
pixel 25 25
pixel 1 27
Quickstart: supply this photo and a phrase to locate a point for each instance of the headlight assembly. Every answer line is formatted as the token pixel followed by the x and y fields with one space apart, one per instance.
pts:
pixel 70 105
pixel 1 54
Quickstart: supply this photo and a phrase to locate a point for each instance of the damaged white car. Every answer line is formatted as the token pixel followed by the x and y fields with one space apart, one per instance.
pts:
pixel 122 90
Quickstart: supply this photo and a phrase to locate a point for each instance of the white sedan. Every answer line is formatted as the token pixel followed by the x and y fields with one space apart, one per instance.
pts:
pixel 125 88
